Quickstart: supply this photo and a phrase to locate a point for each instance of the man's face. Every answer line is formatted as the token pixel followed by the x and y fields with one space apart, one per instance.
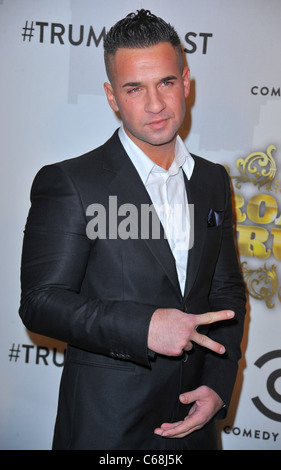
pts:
pixel 149 90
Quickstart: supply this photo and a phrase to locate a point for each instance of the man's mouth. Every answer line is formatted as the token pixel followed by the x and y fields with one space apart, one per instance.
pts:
pixel 158 123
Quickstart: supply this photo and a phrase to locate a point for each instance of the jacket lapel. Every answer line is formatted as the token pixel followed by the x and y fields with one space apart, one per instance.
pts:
pixel 196 196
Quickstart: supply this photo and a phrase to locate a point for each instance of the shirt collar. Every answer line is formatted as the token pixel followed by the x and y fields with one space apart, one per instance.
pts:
pixel 145 165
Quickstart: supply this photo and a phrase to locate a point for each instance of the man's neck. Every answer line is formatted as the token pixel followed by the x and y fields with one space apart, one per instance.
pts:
pixel 162 155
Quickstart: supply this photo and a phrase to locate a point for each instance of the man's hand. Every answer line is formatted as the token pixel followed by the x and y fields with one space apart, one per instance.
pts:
pixel 206 403
pixel 171 331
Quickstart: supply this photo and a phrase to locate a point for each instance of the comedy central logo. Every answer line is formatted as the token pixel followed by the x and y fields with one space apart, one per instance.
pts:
pixel 271 385
pixel 148 221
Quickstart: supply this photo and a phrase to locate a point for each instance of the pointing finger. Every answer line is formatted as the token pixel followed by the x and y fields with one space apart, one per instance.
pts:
pixel 212 317
pixel 208 343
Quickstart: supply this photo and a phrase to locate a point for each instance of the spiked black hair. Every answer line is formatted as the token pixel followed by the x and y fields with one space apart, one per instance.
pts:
pixel 138 30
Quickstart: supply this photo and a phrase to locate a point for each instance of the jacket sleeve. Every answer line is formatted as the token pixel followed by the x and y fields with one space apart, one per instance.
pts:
pixel 227 292
pixel 54 262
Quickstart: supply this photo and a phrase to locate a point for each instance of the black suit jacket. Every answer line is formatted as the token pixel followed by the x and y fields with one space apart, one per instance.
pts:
pixel 98 295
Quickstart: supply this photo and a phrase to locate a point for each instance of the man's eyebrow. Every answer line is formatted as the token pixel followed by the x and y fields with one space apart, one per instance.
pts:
pixel 167 79
pixel 131 84
pixel 135 84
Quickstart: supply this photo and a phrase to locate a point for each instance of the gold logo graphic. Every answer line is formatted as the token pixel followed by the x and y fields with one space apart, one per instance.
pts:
pixel 258 222
pixel 258 168
pixel 264 286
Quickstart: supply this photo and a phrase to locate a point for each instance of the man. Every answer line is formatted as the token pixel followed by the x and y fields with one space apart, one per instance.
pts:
pixel 128 299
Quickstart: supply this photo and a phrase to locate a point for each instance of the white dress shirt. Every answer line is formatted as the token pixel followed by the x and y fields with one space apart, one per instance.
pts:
pixel 167 191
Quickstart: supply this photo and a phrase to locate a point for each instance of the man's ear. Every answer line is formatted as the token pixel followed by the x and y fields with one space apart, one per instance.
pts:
pixel 110 96
pixel 186 81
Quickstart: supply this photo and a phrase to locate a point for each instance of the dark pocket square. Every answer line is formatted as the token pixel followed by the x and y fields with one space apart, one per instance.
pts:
pixel 215 218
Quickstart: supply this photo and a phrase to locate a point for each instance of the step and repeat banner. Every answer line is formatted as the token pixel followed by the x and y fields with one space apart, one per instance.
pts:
pixel 53 107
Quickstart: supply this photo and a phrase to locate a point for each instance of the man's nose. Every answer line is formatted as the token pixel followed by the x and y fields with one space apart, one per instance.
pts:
pixel 154 102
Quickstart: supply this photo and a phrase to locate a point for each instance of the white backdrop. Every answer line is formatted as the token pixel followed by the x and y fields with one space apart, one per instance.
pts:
pixel 53 107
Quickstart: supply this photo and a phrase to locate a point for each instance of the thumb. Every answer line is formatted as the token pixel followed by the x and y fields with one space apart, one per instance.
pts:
pixel 188 397
pixel 193 395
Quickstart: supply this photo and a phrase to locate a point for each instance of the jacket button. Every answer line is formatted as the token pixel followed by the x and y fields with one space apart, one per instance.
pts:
pixel 124 356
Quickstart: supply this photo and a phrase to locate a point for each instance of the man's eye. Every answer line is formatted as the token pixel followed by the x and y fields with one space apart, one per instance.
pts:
pixel 133 90
pixel 167 83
